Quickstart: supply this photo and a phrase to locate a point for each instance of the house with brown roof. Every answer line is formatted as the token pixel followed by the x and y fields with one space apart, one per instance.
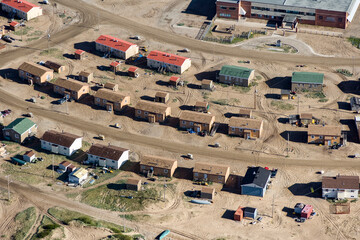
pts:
pixel 86 76
pixel 112 86
pixel 306 119
pixel 207 85
pixel 174 81
pixel 340 187
pixel 196 121
pixel 207 193
pixel 133 72
pixel 209 172
pixel 158 166
pixel 59 68
pixel 35 73
pixel 245 113
pixel 67 166
pixel 14 25
pixel 133 184
pixel 109 156
pixel 326 135
pixel 70 88
pixel 247 128
pixel 202 107
pixel 162 97
pixel 62 143
pixel 152 111
pixel 112 101
pixel 29 156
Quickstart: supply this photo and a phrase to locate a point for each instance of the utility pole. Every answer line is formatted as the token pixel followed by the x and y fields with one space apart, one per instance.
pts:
pixel 53 167
pixel 353 66
pixel 164 189
pixel 8 186
pixel 255 98
pixel 298 107
pixel 48 38
pixel 287 148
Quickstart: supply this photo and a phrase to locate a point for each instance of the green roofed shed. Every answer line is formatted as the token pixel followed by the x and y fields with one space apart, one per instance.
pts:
pixel 21 125
pixel 235 71
pixel 307 77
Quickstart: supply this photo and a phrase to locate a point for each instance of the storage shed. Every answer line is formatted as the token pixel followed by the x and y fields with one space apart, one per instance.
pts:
pixel 79 54
pixel 174 81
pixel 285 94
pixel 298 208
pixel 250 212
pixel 133 184
pixel 306 118
pixel 133 72
pixel 202 107
pixel 86 76
pixel 114 66
pixel 14 25
pixel 208 193
pixel 239 214
pixel 245 113
pixel 306 211
pixel 207 84
pixel 112 86
pixel 29 156
pixel 162 97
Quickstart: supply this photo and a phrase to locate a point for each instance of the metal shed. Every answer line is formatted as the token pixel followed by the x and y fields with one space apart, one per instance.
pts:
pixel 250 212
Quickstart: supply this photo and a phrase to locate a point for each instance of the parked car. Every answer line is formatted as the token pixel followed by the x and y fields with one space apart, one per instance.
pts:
pixel 6 39
pixel 301 220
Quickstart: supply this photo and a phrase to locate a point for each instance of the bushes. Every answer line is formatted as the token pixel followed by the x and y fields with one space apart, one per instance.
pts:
pixel 47 230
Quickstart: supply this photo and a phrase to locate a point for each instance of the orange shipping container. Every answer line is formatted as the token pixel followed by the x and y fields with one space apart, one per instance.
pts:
pixel 238 215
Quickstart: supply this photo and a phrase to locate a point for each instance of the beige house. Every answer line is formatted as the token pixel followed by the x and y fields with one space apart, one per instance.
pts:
pixel 162 97
pixel 202 107
pixel 207 84
pixel 22 9
pixel 112 101
pixel 168 62
pixel 35 73
pixel 59 68
pixel 70 88
pixel 86 76
pixel 247 128
pixel 152 111
pixel 211 172
pixel 196 121
pixel 19 129
pixel 326 135
pixel 116 47
pixel 133 184
pixel 158 166
pixel 112 86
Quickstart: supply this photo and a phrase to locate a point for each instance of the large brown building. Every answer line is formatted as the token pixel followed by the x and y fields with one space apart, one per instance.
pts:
pixel 330 13
pixel 158 166
pixel 211 172
pixel 35 73
pixel 247 128
pixel 71 88
pixel 326 135
pixel 152 111
pixel 196 121
pixel 112 101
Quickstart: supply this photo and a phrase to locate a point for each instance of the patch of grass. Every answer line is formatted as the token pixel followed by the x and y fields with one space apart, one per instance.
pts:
pixel 102 176
pixel 237 40
pixel 205 95
pixel 258 77
pixel 354 41
pixel 320 95
pixel 243 89
pixel 220 102
pixel 9 143
pixel 344 72
pixel 174 100
pixel 114 197
pixel 45 229
pixel 54 52
pixel 32 39
pixel 62 15
pixel 23 31
pixel 180 24
pixel 36 33
pixel 222 84
pixel 323 100
pixel 281 105
pixel 135 218
pixel 24 220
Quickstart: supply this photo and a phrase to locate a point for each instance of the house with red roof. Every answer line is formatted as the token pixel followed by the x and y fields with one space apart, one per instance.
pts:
pixel 116 47
pixel 168 62
pixel 21 8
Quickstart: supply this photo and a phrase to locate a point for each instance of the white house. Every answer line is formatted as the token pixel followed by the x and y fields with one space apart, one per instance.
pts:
pixel 107 156
pixel 61 142
pixel 78 176
pixel 29 156
pixel 168 62
pixel 21 8
pixel 116 47
pixel 340 187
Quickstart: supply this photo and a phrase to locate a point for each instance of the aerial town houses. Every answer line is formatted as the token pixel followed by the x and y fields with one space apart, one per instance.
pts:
pixel 327 13
pixel 35 73
pixel 70 89
pixel 247 128
pixel 21 8
pixel 107 156
pixel 62 143
pixel 19 129
pixel 111 100
pixel 307 81
pixel 116 47
pixel 157 166
pixel 340 187
pixel 196 121
pixel 235 75
pixel 325 135
pixel 211 172
pixel 163 61
pixel 152 111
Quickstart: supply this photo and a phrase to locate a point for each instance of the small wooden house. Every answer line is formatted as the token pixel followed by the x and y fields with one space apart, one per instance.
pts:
pixel 79 54
pixel 114 66
pixel 59 68
pixel 86 76
pixel 14 25
pixel 208 193
pixel 133 72
pixel 133 184
pixel 306 118
pixel 207 84
pixel 202 107
pixel 239 214
pixel 245 113
pixel 162 97
pixel 174 81
pixel 29 156
pixel 112 86
pixel 285 94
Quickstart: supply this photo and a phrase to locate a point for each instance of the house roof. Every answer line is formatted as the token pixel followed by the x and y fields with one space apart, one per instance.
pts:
pixel 110 85
pixel 65 163
pixel 341 182
pixel 256 175
pixel 20 125
pixel 110 151
pixel 115 64
pixel 285 91
pixel 132 69
pixel 206 82
pixel 85 74
pixel 306 115
pixel 162 94
pixel 53 65
pixel 249 209
pixel 14 24
pixel 22 5
pixel 197 117
pixel 236 71
pixel 114 42
pixel 109 95
pixel 30 153
pixel 307 77
pixel 248 123
pixel 79 51
pixel 213 169
pixel 133 181
pixel 207 190
pixel 69 84
pixel 201 104
pixel 79 173
pixel 152 107
pixel 34 69
pixel 245 111
pixel 174 79
pixel 167 58
pixel 326 130
pixel 60 138
pixel 156 161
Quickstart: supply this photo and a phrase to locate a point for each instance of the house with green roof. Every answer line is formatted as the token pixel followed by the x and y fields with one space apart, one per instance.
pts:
pixel 308 81
pixel 19 129
pixel 235 75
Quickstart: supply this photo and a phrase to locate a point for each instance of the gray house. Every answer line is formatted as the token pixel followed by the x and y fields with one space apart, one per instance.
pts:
pixel 255 181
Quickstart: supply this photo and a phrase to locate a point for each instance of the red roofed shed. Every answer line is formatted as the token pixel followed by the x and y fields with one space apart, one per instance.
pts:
pixel 239 214
pixel 14 25
pixel 174 81
pixel 79 54
pixel 306 211
pixel 133 72
pixel 115 65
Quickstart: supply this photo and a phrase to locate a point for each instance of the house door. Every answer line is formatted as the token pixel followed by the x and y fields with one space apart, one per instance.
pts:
pixel 109 107
pixel 205 176
pixel 151 118
pixel 329 142
pixel 197 127
pixel 55 148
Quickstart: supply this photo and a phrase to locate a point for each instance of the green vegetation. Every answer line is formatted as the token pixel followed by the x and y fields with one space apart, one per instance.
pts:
pixel 354 41
pixel 243 89
pixel 62 15
pixel 32 39
pixel 237 40
pixel 180 24
pixel 344 72
pixel 174 100
pixel 114 197
pixel 54 52
pixel 24 220
pixel 280 105
pixel 135 218
pixel 220 102
pixel 103 176
pixel 45 229
pixel 320 95
pixel 323 100
pixel 258 77
pixel 205 95
pixel 23 31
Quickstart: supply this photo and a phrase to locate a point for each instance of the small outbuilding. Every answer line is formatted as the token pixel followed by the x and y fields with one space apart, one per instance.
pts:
pixel 201 107
pixel 306 211
pixel 67 166
pixel 208 193
pixel 133 184
pixel 298 208
pixel 14 25
pixel 114 66
pixel 29 156
pixel 250 212
pixel 239 214
pixel 245 113
pixel 306 118
pixel 112 86
pixel 174 81
pixel 207 84
pixel 133 72
pixel 285 94
pixel 59 68
pixel 86 76
pixel 162 97
pixel 79 54
pixel 78 176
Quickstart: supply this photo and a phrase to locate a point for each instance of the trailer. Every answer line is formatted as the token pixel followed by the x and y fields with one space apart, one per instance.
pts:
pixel 18 161
pixel 164 234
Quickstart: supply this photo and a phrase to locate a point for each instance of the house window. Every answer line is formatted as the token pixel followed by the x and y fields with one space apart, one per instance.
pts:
pixel 339 19
pixel 113 161
pixel 7 133
pixel 222 7
pixel 191 123
pixel 321 137
pixel 142 167
pixel 312 136
pixel 139 111
pixel 98 99
pixel 233 129
pixel 56 87
pixel 219 177
pixel 335 137
pixel 17 136
pixel 351 190
pixel 166 171
pixel 320 17
pixel 196 174
pixel 104 101
pixel 184 122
